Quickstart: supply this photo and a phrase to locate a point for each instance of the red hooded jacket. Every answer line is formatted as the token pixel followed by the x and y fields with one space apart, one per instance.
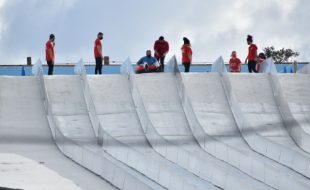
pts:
pixel 161 48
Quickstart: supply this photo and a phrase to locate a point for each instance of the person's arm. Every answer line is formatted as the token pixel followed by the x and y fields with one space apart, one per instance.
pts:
pixel 167 49
pixel 156 48
pixel 256 54
pixel 50 53
pixel 140 61
pixel 155 62
pixel 99 50
pixel 189 57
pixel 189 54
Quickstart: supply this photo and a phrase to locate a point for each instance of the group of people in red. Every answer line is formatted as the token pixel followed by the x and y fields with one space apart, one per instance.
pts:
pixel 254 62
pixel 149 63
pixel 161 48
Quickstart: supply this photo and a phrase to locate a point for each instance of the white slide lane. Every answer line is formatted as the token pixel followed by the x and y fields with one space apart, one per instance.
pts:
pixel 209 102
pixel 254 95
pixel 24 130
pixel 296 89
pixel 163 106
pixel 117 115
pixel 71 116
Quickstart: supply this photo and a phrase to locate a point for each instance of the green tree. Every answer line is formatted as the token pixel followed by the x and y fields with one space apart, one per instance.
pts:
pixel 280 56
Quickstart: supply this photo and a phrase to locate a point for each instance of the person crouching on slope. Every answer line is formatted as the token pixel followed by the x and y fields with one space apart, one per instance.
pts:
pixel 260 61
pixel 161 48
pixel 147 63
pixel 234 63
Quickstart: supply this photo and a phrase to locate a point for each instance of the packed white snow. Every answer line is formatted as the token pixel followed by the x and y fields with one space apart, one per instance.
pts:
pixel 22 173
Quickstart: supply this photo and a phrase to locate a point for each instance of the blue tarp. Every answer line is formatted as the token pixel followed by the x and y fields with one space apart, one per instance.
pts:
pixel 115 69
pixel 23 73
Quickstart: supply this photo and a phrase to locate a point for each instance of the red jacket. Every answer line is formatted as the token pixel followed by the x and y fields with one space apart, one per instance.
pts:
pixel 97 52
pixel 187 54
pixel 161 48
pixel 252 52
pixel 49 46
pixel 235 64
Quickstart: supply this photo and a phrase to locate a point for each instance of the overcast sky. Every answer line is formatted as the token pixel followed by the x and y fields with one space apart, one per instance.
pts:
pixel 131 26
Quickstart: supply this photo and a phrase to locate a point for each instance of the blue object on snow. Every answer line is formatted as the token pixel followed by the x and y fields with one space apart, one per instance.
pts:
pixel 284 71
pixel 23 71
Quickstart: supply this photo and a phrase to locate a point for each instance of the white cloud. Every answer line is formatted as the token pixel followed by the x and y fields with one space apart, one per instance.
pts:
pixel 2 3
pixel 2 24
pixel 214 27
pixel 287 6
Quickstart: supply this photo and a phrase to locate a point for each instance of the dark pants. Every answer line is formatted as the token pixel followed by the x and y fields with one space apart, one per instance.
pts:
pixel 98 68
pixel 161 61
pixel 252 66
pixel 50 67
pixel 186 66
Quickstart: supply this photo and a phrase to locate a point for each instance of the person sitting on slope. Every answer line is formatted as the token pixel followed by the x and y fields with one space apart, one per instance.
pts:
pixel 260 61
pixel 147 63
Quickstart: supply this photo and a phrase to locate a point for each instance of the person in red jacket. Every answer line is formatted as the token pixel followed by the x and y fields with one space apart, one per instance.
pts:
pixel 252 55
pixel 186 54
pixel 98 53
pixel 50 53
pixel 161 48
pixel 234 63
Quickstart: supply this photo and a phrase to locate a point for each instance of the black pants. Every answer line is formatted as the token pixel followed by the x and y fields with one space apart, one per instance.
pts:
pixel 161 61
pixel 252 66
pixel 98 68
pixel 186 66
pixel 50 67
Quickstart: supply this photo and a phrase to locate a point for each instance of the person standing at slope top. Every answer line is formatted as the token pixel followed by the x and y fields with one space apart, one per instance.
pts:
pixel 234 63
pixel 50 53
pixel 161 48
pixel 252 55
pixel 98 53
pixel 186 54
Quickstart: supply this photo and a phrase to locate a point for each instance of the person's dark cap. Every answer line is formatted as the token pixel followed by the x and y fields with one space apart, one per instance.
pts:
pixel 250 38
pixel 186 40
pixel 262 55
pixel 100 33
pixel 161 38
pixel 52 36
